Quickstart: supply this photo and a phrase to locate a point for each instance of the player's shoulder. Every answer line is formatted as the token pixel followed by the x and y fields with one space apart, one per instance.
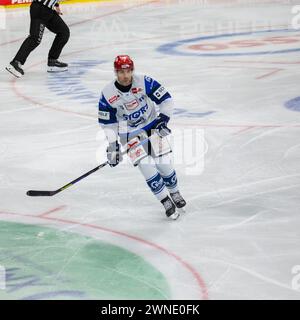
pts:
pixel 138 79
pixel 109 89
pixel 150 83
pixel 142 78
pixel 148 78
pixel 109 93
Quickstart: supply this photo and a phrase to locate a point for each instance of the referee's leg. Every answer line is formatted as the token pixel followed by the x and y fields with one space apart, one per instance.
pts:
pixel 57 25
pixel 37 28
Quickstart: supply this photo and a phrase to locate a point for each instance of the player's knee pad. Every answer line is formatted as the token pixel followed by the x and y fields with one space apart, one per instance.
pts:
pixel 164 163
pixel 147 167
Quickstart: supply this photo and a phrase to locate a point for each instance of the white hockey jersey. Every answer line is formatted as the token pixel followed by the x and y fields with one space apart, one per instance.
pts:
pixel 130 112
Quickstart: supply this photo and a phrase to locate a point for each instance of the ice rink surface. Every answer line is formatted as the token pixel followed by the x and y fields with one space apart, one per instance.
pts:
pixel 234 71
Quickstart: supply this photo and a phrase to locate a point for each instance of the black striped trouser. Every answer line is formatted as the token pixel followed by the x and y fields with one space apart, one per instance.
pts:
pixel 41 17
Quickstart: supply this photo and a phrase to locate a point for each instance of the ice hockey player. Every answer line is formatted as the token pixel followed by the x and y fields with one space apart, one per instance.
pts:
pixel 43 13
pixel 127 113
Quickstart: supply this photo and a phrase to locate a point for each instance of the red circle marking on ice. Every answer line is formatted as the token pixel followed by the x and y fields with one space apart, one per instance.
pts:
pixel 244 43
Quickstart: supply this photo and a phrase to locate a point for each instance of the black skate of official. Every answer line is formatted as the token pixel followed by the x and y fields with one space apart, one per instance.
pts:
pixel 56 66
pixel 15 68
pixel 170 208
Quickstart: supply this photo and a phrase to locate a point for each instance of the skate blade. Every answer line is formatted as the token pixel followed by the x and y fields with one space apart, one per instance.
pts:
pixel 56 69
pixel 181 210
pixel 174 216
pixel 14 72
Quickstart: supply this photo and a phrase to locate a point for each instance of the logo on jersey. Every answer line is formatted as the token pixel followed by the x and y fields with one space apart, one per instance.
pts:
pixel 113 99
pixel 132 104
pixel 135 142
pixel 136 90
pixel 135 115
pixel 160 92
pixel 104 115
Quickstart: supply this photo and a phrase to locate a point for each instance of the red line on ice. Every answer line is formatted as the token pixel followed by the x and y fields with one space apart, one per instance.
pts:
pixel 268 74
pixel 244 129
pixel 46 213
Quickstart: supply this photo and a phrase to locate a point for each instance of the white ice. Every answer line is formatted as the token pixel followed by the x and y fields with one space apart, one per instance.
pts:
pixel 240 236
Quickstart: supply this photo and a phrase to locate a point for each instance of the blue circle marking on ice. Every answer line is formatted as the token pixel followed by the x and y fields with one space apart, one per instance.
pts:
pixel 70 84
pixel 293 104
pixel 173 48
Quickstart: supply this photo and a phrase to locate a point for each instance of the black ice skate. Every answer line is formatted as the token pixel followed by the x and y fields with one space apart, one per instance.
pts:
pixel 15 68
pixel 170 208
pixel 56 66
pixel 178 200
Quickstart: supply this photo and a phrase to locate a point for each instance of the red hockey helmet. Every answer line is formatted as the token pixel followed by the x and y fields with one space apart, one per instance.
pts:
pixel 123 62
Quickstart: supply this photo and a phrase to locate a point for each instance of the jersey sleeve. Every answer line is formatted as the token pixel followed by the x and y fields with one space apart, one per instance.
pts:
pixel 155 91
pixel 107 114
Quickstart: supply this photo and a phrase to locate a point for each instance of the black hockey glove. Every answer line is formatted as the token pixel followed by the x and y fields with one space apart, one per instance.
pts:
pixel 113 153
pixel 161 125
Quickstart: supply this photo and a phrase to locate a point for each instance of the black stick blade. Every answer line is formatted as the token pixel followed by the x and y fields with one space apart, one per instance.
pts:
pixel 37 193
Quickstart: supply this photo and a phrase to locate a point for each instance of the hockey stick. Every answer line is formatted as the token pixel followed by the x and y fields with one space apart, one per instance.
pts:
pixel 41 193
